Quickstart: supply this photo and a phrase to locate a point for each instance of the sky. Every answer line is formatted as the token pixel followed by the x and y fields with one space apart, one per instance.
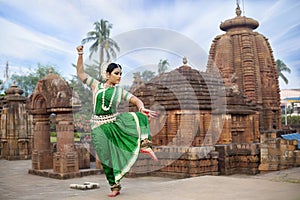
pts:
pixel 48 32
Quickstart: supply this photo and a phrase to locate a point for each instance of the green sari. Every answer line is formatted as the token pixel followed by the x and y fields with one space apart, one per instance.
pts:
pixel 116 137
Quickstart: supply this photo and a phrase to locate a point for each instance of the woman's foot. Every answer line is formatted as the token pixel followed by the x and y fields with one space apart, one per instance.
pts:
pixel 150 152
pixel 146 148
pixel 114 193
pixel 115 190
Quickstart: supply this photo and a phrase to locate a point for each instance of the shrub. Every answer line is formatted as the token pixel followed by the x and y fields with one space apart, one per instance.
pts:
pixel 53 134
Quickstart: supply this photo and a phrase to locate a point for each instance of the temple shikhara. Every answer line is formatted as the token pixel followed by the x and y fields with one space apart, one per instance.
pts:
pixel 246 63
pixel 221 121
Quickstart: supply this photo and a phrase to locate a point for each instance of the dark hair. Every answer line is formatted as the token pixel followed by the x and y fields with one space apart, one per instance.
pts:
pixel 112 66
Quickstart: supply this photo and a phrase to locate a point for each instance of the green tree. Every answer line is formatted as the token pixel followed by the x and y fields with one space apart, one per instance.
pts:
pixel 162 66
pixel 28 82
pixel 1 85
pixel 6 77
pixel 281 67
pixel 81 118
pixel 147 75
pixel 94 70
pixel 100 37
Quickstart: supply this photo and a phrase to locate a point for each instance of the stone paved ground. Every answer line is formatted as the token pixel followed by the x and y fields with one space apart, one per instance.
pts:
pixel 16 183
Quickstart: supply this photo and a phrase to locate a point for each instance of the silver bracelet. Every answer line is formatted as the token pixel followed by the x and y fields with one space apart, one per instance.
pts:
pixel 80 53
pixel 140 109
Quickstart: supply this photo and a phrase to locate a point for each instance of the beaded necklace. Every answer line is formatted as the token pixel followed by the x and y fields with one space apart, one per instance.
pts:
pixel 111 100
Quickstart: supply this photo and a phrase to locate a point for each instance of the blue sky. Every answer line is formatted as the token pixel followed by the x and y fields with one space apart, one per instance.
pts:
pixel 47 32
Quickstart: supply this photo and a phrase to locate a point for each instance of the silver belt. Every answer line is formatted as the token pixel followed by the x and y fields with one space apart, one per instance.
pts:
pixel 98 120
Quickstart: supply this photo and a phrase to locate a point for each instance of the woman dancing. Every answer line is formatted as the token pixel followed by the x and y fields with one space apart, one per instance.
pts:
pixel 117 137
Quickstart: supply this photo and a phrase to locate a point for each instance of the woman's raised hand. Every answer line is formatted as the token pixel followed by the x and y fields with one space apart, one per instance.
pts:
pixel 80 49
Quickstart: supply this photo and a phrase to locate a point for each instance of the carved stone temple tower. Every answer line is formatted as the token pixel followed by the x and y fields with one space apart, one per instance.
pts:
pixel 246 63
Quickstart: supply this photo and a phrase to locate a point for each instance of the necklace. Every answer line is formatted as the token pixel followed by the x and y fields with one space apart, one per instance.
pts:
pixel 111 100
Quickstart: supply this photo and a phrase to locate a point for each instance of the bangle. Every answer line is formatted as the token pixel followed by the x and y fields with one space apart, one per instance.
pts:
pixel 139 104
pixel 140 109
pixel 80 53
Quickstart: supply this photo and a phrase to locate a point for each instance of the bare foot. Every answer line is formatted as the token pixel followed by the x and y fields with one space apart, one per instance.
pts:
pixel 150 152
pixel 114 193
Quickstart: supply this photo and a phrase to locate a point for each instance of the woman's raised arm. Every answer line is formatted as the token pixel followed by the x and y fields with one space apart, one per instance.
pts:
pixel 80 69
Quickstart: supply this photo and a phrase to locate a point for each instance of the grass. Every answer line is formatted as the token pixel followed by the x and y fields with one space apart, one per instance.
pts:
pixel 54 139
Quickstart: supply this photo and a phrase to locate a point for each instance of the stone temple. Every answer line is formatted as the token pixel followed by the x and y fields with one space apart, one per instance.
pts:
pixel 225 120
pixel 246 62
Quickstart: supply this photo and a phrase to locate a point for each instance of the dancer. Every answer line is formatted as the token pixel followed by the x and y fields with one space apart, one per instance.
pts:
pixel 117 137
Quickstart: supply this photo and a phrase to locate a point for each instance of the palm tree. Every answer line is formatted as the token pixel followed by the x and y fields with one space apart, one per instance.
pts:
pixel 100 37
pixel 281 67
pixel 162 66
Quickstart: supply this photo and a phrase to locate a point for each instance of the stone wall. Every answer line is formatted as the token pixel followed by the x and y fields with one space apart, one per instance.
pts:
pixel 239 158
pixel 272 154
pixel 198 128
pixel 183 162
pixel 278 153
pixel 178 162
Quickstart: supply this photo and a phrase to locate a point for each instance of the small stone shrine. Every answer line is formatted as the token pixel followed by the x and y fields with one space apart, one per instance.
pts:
pixel 52 95
pixel 16 138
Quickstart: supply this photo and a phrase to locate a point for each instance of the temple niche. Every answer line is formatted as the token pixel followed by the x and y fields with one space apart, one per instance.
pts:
pixel 246 63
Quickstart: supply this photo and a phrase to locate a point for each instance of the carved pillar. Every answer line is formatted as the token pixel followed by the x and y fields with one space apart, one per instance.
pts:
pixel 41 155
pixel 65 160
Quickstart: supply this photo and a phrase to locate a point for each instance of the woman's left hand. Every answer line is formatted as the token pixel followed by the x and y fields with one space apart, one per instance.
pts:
pixel 149 113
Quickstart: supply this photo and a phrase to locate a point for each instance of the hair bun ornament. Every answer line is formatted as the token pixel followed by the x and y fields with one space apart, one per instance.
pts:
pixel 103 70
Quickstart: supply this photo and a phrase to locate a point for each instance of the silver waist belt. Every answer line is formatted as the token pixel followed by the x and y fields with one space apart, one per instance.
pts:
pixel 104 119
